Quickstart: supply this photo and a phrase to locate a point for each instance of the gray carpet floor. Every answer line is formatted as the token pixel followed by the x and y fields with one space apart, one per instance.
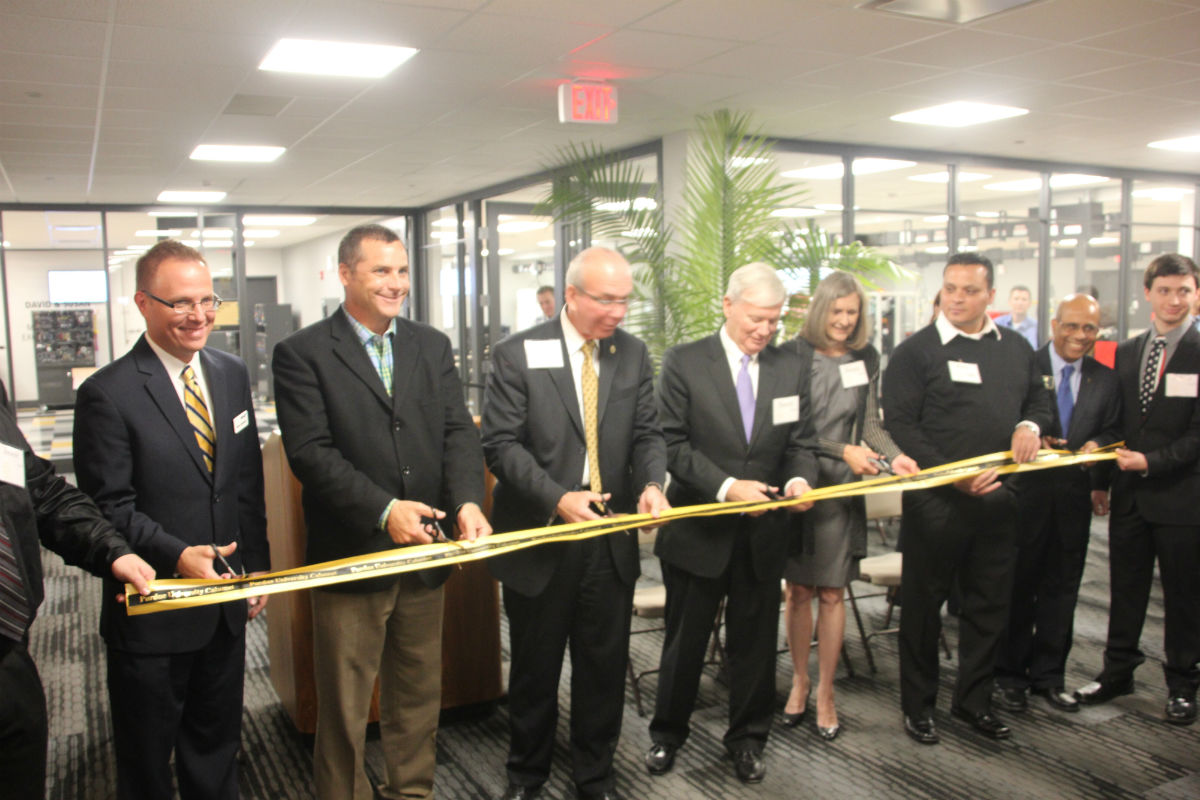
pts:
pixel 1122 750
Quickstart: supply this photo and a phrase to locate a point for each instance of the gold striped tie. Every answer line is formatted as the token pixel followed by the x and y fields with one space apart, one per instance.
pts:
pixel 591 398
pixel 197 414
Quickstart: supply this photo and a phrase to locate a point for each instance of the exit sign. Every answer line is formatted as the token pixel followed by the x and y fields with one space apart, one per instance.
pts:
pixel 594 103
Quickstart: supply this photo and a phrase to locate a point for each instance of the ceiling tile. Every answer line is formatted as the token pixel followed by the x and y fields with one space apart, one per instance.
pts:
pixel 1058 63
pixel 1075 20
pixel 857 32
pixel 962 49
pixel 1162 38
pixel 611 12
pixel 24 34
pixel 654 50
pixel 759 60
pixel 1141 76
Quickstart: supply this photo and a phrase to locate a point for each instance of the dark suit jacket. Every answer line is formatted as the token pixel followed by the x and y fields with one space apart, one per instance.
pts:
pixel 706 444
pixel 1169 436
pixel 51 511
pixel 533 440
pixel 354 449
pixel 1096 416
pixel 136 455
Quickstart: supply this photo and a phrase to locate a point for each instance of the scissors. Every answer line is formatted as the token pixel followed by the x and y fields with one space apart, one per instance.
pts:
pixel 882 465
pixel 217 555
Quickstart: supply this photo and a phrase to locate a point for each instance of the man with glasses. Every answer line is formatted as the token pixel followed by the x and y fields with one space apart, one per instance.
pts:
pixel 166 444
pixel 570 431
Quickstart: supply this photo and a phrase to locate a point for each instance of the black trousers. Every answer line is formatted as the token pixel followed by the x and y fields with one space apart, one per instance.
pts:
pixel 586 606
pixel 189 703
pixel 23 731
pixel 1054 519
pixel 1134 544
pixel 949 536
pixel 751 642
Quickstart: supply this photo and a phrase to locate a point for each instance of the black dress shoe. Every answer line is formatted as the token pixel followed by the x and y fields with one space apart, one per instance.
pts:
pixel 607 794
pixel 985 722
pixel 749 766
pixel 1059 698
pixel 1181 709
pixel 518 792
pixel 660 758
pixel 921 729
pixel 1096 692
pixel 1010 699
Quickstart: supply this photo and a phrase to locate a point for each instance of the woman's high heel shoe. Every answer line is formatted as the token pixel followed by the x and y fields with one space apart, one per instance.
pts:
pixel 829 734
pixel 792 720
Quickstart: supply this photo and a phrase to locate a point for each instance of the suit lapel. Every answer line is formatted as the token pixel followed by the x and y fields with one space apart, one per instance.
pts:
pixel 767 378
pixel 564 381
pixel 349 350
pixel 162 392
pixel 722 381
pixel 606 355
pixel 405 356
pixel 219 411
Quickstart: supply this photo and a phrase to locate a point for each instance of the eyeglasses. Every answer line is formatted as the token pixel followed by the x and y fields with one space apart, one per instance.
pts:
pixel 605 301
pixel 207 304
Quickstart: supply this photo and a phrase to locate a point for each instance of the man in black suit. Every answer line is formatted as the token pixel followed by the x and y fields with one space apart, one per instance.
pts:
pixel 958 388
pixel 1054 516
pixel 735 415
pixel 548 420
pixel 1154 495
pixel 36 505
pixel 374 425
pixel 166 444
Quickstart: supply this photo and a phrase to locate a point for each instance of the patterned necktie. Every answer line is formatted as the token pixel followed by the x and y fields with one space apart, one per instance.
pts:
pixel 383 362
pixel 591 402
pixel 14 608
pixel 1150 376
pixel 1066 401
pixel 745 395
pixel 197 414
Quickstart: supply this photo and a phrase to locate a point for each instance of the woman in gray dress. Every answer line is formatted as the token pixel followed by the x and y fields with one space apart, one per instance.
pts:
pixel 844 397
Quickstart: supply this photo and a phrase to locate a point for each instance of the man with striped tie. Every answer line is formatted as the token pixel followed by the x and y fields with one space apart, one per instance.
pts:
pixel 166 444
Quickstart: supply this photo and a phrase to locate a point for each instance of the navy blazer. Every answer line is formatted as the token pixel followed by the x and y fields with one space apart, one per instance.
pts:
pixel 706 444
pixel 136 455
pixel 534 442
pixel 1168 435
pixel 354 448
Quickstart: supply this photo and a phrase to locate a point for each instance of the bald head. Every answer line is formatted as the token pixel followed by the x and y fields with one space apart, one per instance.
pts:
pixel 1075 326
pixel 599 283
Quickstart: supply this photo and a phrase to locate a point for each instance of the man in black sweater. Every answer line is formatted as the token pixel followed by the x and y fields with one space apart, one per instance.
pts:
pixel 959 388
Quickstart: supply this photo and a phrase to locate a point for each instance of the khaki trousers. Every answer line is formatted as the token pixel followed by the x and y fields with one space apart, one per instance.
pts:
pixel 395 634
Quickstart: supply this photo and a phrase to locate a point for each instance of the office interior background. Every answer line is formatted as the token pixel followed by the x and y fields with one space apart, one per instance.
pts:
pixel 103 102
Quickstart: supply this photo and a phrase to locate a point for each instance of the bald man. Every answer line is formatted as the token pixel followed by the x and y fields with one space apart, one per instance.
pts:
pixel 1055 513
pixel 536 419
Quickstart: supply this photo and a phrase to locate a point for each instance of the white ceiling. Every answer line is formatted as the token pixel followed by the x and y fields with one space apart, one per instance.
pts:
pixel 101 101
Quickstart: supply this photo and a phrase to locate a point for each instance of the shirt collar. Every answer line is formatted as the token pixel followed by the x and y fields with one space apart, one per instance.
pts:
pixel 571 334
pixel 1057 362
pixel 365 334
pixel 946 330
pixel 733 353
pixel 1175 334
pixel 172 364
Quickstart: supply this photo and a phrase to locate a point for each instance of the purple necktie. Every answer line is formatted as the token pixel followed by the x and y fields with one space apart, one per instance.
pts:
pixel 745 393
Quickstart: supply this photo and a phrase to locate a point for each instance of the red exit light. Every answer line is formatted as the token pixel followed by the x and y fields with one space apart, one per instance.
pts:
pixel 593 103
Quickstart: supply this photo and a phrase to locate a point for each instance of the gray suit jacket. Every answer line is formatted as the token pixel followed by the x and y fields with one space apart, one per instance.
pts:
pixel 533 440
pixel 706 444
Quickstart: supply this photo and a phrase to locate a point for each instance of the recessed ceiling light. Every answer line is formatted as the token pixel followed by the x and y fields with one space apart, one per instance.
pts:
pixel 7 243
pixel 937 250
pixel 214 233
pixel 937 218
pixel 1163 194
pixel 137 248
pixel 1100 241
pixel 1067 242
pixel 1061 181
pixel 862 166
pixel 1186 144
pixel 505 251
pixel 637 233
pixel 986 214
pixel 185 196
pixel 829 206
pixel 444 235
pixel 344 59
pixel 206 244
pixel 546 243
pixel 944 177
pixel 277 221
pixel 237 152
pixel 159 233
pixel 797 212
pixel 260 233
pixel 959 114
pixel 638 204
pixel 737 162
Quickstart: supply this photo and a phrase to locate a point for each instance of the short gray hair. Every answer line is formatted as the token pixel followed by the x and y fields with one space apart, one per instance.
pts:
pixel 756 276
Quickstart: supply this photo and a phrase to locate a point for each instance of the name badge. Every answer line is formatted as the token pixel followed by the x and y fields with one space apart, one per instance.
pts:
pixel 12 465
pixel 785 410
pixel 241 421
pixel 543 353
pixel 1181 384
pixel 854 374
pixel 964 372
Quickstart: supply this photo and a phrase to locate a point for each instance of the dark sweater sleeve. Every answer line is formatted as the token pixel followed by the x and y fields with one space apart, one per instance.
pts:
pixel 904 387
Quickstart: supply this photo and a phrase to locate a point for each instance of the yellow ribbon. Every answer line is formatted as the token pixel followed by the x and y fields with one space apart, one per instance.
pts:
pixel 188 593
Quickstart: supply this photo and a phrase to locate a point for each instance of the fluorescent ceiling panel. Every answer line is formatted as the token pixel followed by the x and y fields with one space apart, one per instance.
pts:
pixel 254 153
pixel 186 196
pixel 959 114
pixel 835 170
pixel 343 59
pixel 1185 144
pixel 944 177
